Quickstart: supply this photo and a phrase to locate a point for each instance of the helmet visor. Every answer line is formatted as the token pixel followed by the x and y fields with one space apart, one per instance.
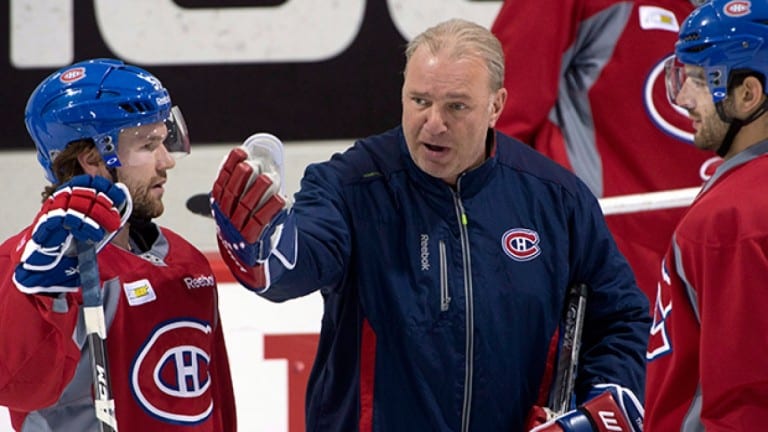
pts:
pixel 177 141
pixel 674 78
pixel 169 134
pixel 713 78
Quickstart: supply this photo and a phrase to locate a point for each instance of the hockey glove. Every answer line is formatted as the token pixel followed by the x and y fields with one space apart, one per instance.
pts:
pixel 609 407
pixel 252 218
pixel 87 209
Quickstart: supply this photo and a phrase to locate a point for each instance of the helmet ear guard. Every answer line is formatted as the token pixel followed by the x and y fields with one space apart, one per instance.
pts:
pixel 95 100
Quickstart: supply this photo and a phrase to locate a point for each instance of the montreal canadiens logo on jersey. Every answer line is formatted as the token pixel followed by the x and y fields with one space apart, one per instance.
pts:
pixel 71 75
pixel 521 244
pixel 170 377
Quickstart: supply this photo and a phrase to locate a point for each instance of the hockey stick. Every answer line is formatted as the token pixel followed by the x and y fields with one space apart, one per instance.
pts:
pixel 568 360
pixel 199 204
pixel 96 331
pixel 672 198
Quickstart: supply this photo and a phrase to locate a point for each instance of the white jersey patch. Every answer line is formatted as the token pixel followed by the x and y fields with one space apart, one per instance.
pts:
pixel 139 292
pixel 656 18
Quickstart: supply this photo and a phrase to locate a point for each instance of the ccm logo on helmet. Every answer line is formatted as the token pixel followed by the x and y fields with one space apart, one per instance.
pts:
pixel 72 75
pixel 199 282
pixel 521 244
pixel 737 8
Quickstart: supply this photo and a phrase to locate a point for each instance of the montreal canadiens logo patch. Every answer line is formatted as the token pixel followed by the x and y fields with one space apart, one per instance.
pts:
pixel 521 244
pixel 170 377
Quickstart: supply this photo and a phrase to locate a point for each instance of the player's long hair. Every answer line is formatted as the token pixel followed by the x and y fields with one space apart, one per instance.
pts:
pixel 66 165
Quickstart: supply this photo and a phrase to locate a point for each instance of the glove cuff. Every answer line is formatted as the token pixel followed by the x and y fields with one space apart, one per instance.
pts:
pixel 251 277
pixel 606 413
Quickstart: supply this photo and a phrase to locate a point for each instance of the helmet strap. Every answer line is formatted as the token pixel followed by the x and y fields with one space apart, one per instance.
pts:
pixel 736 124
pixel 113 173
pixel 735 127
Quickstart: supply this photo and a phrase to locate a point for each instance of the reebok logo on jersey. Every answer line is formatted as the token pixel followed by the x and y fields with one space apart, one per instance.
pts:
pixel 139 292
pixel 199 281
pixel 521 244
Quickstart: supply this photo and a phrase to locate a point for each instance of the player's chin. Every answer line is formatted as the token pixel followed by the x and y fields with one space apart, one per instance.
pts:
pixel 157 209
pixel 148 209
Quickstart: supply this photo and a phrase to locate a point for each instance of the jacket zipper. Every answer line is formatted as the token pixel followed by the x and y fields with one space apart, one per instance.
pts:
pixel 469 318
pixel 445 296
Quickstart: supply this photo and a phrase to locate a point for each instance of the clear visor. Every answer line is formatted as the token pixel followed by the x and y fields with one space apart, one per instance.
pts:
pixel 173 136
pixel 674 78
pixel 170 134
pixel 177 141
pixel 713 77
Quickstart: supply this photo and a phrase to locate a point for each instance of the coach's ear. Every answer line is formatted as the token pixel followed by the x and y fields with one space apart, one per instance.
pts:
pixel 497 105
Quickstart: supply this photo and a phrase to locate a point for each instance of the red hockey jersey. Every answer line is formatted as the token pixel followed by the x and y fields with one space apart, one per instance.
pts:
pixel 707 351
pixel 586 88
pixel 167 358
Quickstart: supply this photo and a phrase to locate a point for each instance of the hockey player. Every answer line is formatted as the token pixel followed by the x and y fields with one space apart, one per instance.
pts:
pixel 443 251
pixel 707 350
pixel 588 81
pixel 105 134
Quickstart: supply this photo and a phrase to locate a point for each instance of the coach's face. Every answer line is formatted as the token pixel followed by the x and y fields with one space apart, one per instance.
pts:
pixel 448 106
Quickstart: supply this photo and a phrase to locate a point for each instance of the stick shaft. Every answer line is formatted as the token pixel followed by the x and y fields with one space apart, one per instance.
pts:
pixel 96 330
pixel 568 360
pixel 648 201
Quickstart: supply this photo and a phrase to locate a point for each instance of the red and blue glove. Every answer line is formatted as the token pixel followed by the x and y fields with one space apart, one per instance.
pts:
pixel 251 217
pixel 609 408
pixel 87 209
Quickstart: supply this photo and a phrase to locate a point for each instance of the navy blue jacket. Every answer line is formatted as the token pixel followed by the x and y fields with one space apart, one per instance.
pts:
pixel 440 303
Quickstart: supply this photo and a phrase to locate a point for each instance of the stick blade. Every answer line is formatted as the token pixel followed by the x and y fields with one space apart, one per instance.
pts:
pixel 199 204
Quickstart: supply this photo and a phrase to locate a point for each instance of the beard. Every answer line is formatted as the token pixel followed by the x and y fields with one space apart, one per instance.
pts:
pixel 145 205
pixel 713 130
pixel 711 136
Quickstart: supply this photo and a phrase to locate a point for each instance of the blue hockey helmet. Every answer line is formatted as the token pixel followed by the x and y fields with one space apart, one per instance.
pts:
pixel 721 36
pixel 95 100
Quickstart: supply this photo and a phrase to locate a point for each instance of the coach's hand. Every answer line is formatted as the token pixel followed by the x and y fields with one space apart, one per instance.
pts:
pixel 249 211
